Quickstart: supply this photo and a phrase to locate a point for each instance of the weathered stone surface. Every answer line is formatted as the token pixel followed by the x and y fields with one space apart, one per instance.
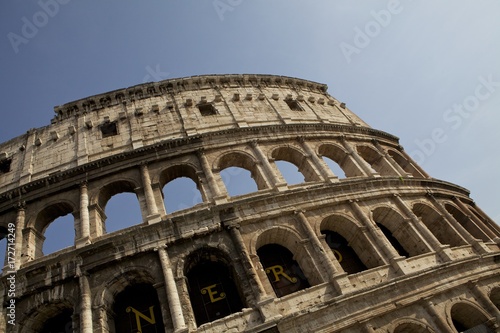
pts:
pixel 430 257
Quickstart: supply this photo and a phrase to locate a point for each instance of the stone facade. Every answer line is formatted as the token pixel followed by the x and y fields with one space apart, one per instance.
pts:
pixel 385 248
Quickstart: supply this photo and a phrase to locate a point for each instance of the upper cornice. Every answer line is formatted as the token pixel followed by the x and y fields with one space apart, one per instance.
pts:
pixel 173 86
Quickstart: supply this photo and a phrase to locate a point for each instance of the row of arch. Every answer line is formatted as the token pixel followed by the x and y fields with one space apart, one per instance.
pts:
pixel 208 182
pixel 213 282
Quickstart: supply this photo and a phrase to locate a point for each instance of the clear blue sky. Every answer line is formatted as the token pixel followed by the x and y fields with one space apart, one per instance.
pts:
pixel 428 73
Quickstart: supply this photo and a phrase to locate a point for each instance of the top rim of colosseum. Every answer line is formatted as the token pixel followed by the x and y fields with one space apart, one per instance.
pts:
pixel 189 83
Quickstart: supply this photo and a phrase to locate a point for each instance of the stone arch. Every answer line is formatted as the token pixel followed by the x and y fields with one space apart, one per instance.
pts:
pixel 406 164
pixel 437 225
pixel 464 315
pixel 340 156
pixel 181 171
pixel 241 159
pixel 410 325
pixel 213 284
pixel 125 277
pixel 403 238
pixel 376 160
pixel 351 231
pixel 104 194
pixel 34 233
pixel 298 158
pixel 34 319
pixel 466 222
pixel 495 296
pixel 291 240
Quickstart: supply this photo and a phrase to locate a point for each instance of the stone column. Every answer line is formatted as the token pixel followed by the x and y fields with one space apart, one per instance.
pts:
pixel 174 302
pixel 275 181
pixel 320 251
pixel 358 160
pixel 484 299
pixel 18 247
pixel 86 322
pixel 388 160
pixel 437 318
pixel 480 224
pixel 257 288
pixel 318 162
pixel 84 217
pixel 217 195
pixel 381 241
pixel 153 215
pixel 426 235
pixel 478 246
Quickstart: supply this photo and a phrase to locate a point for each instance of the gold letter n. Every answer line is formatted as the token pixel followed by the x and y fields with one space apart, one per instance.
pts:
pixel 139 315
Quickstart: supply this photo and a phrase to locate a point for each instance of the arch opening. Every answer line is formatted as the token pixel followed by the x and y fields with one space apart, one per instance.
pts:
pixel 181 193
pixel 137 309
pixel 290 172
pixel 335 167
pixel 122 211
pixel 61 322
pixel 467 223
pixel 345 254
pixel 212 286
pixel 467 318
pixel 238 181
pixel 284 273
pixel 59 234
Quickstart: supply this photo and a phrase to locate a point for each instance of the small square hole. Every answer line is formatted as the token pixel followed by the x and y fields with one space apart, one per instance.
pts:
pixel 109 129
pixel 5 165
pixel 293 105
pixel 207 109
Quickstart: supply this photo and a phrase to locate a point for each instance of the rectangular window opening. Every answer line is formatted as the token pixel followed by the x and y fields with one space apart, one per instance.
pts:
pixel 293 105
pixel 207 109
pixel 109 129
pixel 5 165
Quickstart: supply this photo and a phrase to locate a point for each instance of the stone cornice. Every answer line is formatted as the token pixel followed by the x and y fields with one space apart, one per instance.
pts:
pixel 174 86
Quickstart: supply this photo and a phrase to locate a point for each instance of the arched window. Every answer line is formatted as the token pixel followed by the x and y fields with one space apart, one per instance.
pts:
pixel 341 158
pixel 290 172
pixel 236 170
pixel 238 181
pixel 283 271
pixel 122 211
pixel 298 159
pixel 467 317
pixel 405 240
pixel 376 161
pixel 137 309
pixel 181 193
pixel 59 234
pixel 60 323
pixel 495 297
pixel 337 170
pixel 344 254
pixel 181 188
pixel 437 225
pixel 212 286
pixel 404 163
pixel 467 223
pixel 394 242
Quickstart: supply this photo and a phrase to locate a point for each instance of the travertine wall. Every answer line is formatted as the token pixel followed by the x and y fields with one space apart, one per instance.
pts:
pixel 139 139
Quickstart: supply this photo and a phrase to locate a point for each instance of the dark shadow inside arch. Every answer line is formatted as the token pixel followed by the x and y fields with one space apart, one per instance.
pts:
pixel 394 242
pixel 283 271
pixel 344 254
pixel 137 309
pixel 61 323
pixel 212 287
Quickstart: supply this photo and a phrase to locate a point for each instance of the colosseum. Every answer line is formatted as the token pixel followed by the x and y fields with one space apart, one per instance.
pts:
pixel 367 242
